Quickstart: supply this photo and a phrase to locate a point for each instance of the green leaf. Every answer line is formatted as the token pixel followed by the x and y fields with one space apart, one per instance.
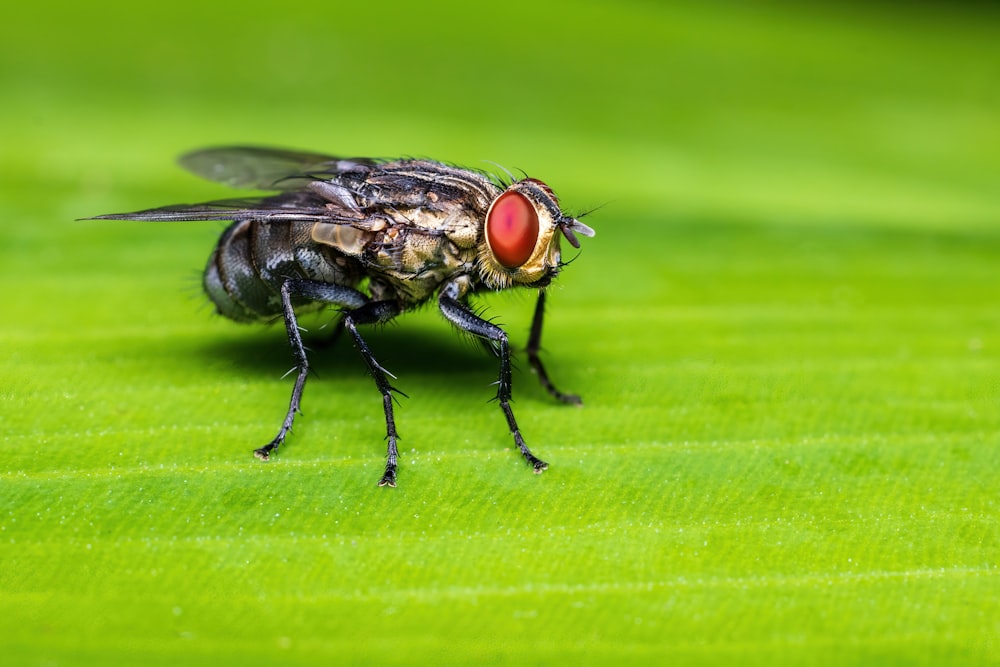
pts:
pixel 786 334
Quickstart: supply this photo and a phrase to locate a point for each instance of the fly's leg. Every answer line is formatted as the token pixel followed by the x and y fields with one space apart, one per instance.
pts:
pixel 376 312
pixel 535 346
pixel 461 316
pixel 335 294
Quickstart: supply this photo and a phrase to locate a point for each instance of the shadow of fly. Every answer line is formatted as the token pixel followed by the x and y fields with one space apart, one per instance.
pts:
pixel 375 238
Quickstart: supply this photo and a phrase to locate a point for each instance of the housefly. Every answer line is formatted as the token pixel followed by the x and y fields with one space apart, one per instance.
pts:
pixel 375 238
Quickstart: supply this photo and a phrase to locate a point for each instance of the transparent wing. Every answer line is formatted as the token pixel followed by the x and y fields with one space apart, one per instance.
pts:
pixel 268 168
pixel 288 207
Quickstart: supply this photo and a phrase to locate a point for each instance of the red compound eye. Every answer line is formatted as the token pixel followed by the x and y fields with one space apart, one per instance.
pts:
pixel 512 229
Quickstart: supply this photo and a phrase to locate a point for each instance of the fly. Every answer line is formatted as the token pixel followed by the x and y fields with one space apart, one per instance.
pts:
pixel 375 238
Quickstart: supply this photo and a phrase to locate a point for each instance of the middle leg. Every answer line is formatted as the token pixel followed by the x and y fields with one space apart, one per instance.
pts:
pixel 377 312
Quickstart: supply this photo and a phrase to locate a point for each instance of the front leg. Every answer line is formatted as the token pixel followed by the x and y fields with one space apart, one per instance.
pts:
pixel 535 346
pixel 461 316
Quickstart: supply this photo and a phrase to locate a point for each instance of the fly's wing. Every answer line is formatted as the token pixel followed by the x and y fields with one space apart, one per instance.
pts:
pixel 347 230
pixel 348 202
pixel 285 207
pixel 269 168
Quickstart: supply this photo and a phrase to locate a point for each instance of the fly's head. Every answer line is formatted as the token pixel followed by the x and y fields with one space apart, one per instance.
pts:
pixel 520 242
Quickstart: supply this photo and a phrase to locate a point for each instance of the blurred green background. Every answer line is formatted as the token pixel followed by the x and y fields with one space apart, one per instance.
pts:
pixel 785 333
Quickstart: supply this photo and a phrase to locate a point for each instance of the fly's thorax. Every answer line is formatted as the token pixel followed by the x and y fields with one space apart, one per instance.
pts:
pixel 520 243
pixel 409 251
pixel 415 260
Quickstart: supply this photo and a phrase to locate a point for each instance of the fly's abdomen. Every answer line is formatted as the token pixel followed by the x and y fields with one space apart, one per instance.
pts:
pixel 244 274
